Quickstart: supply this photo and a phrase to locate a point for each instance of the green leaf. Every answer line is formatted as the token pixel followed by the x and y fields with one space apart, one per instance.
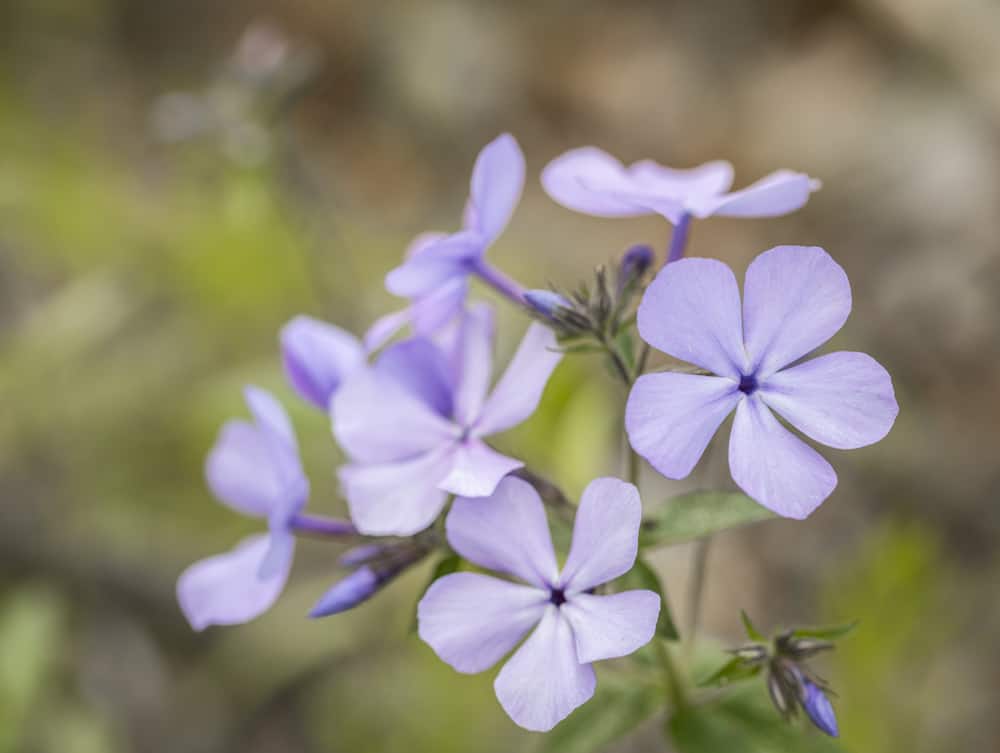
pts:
pixel 825 632
pixel 614 711
pixel 733 670
pixel 643 576
pixel 699 514
pixel 447 565
pixel 752 632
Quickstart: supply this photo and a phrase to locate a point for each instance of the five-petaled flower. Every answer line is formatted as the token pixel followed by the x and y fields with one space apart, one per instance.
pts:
pixel 253 468
pixel 795 299
pixel 413 424
pixel 472 620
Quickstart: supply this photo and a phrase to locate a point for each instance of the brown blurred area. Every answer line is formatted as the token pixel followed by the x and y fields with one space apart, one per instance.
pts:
pixel 158 225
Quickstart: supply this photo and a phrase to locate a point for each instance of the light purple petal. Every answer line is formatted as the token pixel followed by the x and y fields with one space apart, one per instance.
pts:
pixel 474 364
pixel 795 299
pixel 376 420
pixel 773 466
pixel 471 621
pixel 611 626
pixel 396 499
pixel 497 181
pixel 709 179
pixel 517 394
pixel 317 357
pixel 591 181
pixel 477 470
pixel 436 310
pixel 270 416
pixel 506 532
pixel 670 418
pixel 241 470
pixel 543 682
pixel 423 242
pixel 844 400
pixel 227 589
pixel 421 369
pixel 437 263
pixel 605 535
pixel 779 193
pixel 385 328
pixel 691 311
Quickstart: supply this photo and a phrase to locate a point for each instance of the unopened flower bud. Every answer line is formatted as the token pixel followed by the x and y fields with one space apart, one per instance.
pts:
pixel 357 587
pixel 546 302
pixel 819 709
pixel 634 264
pixel 361 555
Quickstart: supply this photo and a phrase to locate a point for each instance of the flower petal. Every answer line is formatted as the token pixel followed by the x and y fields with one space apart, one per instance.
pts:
pixel 591 181
pixel 774 467
pixel 497 181
pixel 242 471
pixel 473 363
pixel 517 394
pixel 471 621
pixel 317 357
pixel 779 193
pixel 396 499
pixel 506 532
pixel 691 311
pixel 377 420
pixel 421 370
pixel 707 180
pixel 613 625
pixel 543 682
pixel 477 470
pixel 227 589
pixel 270 416
pixel 605 535
pixel 795 299
pixel 670 418
pixel 435 264
pixel 385 328
pixel 844 400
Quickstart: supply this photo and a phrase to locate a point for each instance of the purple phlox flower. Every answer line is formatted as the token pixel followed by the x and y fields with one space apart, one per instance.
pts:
pixel 317 357
pixel 497 181
pixel 818 707
pixel 472 620
pixel 795 299
pixel 414 424
pixel 431 314
pixel 591 181
pixel 253 468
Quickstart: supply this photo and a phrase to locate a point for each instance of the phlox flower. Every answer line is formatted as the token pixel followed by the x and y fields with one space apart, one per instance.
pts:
pixel 472 620
pixel 795 299
pixel 414 423
pixel 497 181
pixel 318 357
pixel 253 468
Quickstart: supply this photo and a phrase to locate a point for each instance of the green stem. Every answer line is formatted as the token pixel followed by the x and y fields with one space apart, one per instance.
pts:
pixel 676 691
pixel 699 565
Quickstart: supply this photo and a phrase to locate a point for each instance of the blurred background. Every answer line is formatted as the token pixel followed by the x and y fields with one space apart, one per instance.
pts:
pixel 179 179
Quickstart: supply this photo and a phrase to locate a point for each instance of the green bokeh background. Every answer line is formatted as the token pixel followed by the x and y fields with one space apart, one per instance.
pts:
pixel 143 280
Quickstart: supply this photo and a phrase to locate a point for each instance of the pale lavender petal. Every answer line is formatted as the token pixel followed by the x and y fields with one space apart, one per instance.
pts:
pixel 517 394
pixel 376 420
pixel 506 532
pixel 471 621
pixel 435 264
pixel 543 682
pixel 591 181
pixel 613 625
pixel 432 312
pixel 773 466
pixel 844 400
pixel 270 416
pixel 497 181
pixel 691 311
pixel 670 418
pixel 605 535
pixel 474 364
pixel 422 242
pixel 421 369
pixel 241 472
pixel 776 194
pixel 279 553
pixel 795 299
pixel 396 499
pixel 708 179
pixel 385 328
pixel 227 589
pixel 317 357
pixel 477 470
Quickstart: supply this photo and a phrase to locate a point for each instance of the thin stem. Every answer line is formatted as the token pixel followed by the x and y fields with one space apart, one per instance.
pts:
pixel 671 676
pixel 316 525
pixel 699 566
pixel 678 241
pixel 500 282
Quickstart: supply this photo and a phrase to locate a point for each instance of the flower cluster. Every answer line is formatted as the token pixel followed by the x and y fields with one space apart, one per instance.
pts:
pixel 413 406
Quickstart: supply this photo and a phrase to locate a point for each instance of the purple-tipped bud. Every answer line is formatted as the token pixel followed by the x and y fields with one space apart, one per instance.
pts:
pixel 635 262
pixel 819 708
pixel 357 587
pixel 361 555
pixel 546 303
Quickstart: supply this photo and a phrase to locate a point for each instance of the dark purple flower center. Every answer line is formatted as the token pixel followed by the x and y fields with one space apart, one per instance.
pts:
pixel 557 596
pixel 748 384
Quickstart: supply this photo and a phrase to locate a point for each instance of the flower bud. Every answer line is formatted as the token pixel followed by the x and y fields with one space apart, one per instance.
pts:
pixel 819 709
pixel 634 264
pixel 357 587
pixel 546 302
pixel 360 555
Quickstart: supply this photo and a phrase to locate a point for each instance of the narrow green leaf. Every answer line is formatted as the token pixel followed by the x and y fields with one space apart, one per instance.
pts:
pixel 643 576
pixel 614 711
pixel 752 632
pixel 733 670
pixel 699 514
pixel 825 632
pixel 448 564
